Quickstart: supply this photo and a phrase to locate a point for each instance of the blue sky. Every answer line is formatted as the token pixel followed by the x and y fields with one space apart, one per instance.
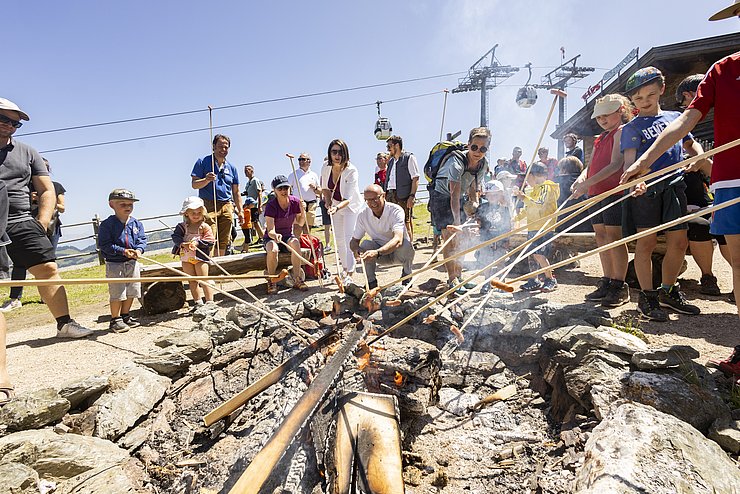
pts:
pixel 81 62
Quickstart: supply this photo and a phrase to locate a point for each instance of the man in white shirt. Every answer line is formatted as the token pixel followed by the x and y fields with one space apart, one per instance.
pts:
pixel 308 181
pixel 402 179
pixel 389 241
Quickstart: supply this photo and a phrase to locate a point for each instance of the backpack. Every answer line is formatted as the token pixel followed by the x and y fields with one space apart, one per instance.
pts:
pixel 318 262
pixel 438 155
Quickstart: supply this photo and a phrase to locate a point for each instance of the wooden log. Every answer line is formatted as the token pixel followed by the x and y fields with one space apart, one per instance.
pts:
pixel 163 297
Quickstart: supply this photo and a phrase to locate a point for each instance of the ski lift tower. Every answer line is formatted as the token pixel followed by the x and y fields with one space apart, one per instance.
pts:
pixel 559 78
pixel 483 76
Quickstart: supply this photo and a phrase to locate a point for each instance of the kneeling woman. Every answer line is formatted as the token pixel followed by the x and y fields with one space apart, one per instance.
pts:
pixel 282 212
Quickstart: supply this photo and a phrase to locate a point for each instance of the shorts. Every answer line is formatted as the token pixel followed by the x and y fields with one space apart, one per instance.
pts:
pixel 725 221
pixel 30 246
pixel 660 204
pixel 545 251
pixel 439 207
pixel 123 291
pixel 699 231
pixel 225 223
pixel 281 247
pixel 611 216
pixel 407 213
pixel 325 218
pixel 310 207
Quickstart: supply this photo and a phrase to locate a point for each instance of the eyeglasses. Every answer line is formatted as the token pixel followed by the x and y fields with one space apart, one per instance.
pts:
pixel 372 199
pixel 9 121
pixel 474 148
pixel 304 159
pixel 337 152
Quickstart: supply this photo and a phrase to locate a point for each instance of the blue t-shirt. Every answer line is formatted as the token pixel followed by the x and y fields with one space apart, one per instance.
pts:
pixel 641 132
pixel 226 176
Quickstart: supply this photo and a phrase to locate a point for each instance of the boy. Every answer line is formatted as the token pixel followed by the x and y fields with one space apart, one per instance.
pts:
pixel 494 218
pixel 122 240
pixel 540 202
pixel 662 202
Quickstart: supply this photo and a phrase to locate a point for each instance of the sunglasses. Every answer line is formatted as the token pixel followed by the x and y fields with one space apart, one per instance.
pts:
pixel 474 148
pixel 337 152
pixel 9 121
pixel 303 159
pixel 283 187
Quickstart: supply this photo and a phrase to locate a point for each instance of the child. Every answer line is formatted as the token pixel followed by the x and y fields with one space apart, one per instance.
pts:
pixel 494 218
pixel 122 240
pixel 246 224
pixel 602 175
pixel 193 240
pixel 662 202
pixel 541 201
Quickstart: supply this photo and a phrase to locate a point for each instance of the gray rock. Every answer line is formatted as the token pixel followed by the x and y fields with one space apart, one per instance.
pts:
pixel 557 316
pixel 167 362
pixel 134 392
pixel 319 304
pixel 285 309
pixel 638 449
pixel 526 322
pixel 17 478
pixel 196 345
pixel 468 367
pixel 594 380
pixel 691 403
pixel 221 331
pixel 613 340
pixel 565 337
pixel 244 316
pixel 127 478
pixel 59 456
pixel 204 311
pixel 725 431
pixel 456 402
pixel 88 389
pixel 33 410
pixel 343 303
pixel 661 358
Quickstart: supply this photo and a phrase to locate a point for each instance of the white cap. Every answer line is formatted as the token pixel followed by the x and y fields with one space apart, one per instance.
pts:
pixel 193 202
pixel 6 104
pixel 493 186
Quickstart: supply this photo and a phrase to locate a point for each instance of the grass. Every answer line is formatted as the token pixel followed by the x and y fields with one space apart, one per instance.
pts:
pixel 629 325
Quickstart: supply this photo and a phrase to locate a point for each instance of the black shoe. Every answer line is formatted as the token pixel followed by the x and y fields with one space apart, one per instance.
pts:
pixel 117 325
pixel 674 299
pixel 372 284
pixel 709 285
pixel 602 289
pixel 130 321
pixel 618 293
pixel 649 306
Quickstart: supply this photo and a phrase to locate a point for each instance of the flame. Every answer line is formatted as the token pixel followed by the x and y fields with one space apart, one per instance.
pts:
pixel 398 379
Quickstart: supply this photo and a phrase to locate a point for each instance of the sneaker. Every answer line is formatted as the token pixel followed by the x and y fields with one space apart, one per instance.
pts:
pixel 130 321
pixel 117 325
pixel 602 290
pixel 459 291
pixel 469 285
pixel 532 285
pixel 674 299
pixel 73 330
pixel 709 285
pixel 327 249
pixel 549 285
pixel 618 293
pixel 649 306
pixel 272 288
pixel 11 304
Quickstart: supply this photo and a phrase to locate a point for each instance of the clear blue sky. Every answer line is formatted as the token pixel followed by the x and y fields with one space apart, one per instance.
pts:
pixel 80 62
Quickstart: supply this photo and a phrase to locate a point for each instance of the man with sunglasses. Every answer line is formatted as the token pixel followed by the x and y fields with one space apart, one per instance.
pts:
pixel 401 179
pixel 20 167
pixel 308 181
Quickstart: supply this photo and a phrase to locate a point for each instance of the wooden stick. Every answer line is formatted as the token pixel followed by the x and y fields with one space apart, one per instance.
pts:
pixel 213 170
pixel 303 259
pixel 338 277
pixel 558 94
pixel 364 273
pixel 151 279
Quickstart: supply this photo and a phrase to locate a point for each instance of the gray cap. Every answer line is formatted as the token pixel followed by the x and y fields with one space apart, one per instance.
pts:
pixel 122 195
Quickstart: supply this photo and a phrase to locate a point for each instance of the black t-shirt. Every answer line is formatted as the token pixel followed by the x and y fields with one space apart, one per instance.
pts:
pixel 697 189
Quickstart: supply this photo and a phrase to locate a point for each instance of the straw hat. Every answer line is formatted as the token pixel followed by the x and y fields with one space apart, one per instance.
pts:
pixel 731 11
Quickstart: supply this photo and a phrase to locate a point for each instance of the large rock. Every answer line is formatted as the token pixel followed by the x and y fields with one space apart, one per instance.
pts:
pixel 638 449
pixel 691 403
pixel 88 389
pixel 59 456
pixel 33 410
pixel 661 358
pixel 564 338
pixel 594 380
pixel 613 340
pixel 468 367
pixel 221 330
pixel 456 402
pixel 126 478
pixel 556 316
pixel 196 345
pixel 318 304
pixel 167 361
pixel 17 478
pixel 134 392
pixel 725 431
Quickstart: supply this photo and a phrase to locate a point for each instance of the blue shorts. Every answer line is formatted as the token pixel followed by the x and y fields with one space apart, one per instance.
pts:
pixel 545 251
pixel 726 221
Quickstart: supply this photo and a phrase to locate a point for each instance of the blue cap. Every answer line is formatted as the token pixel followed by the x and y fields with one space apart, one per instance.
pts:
pixel 280 181
pixel 644 76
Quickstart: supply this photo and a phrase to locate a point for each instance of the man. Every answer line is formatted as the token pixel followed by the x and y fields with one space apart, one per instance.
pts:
pixel 254 189
pixel 460 173
pixel 308 182
pixel 517 166
pixel 570 141
pixel 21 166
pixel 222 177
pixel 389 241
pixel 550 163
pixel 402 179
pixel 381 162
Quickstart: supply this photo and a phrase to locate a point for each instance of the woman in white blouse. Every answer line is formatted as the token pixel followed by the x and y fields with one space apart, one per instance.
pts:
pixel 339 184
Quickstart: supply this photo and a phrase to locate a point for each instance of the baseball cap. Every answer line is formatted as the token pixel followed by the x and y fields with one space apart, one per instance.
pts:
pixel 644 76
pixel 192 202
pixel 493 186
pixel 249 201
pixel 505 175
pixel 731 11
pixel 122 195
pixel 6 104
pixel 279 181
pixel 606 105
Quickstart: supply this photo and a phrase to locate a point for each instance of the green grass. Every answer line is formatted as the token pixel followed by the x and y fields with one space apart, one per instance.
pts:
pixel 629 325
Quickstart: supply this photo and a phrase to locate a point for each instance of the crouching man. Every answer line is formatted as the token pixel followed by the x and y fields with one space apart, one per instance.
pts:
pixel 389 241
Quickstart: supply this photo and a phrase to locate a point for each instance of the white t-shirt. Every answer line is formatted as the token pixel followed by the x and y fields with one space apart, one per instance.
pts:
pixel 381 229
pixel 305 179
pixel 413 171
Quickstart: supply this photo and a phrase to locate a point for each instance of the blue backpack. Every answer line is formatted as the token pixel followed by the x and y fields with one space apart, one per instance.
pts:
pixel 439 153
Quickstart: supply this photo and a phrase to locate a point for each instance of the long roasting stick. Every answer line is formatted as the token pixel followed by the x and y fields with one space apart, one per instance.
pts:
pixel 559 93
pixel 151 279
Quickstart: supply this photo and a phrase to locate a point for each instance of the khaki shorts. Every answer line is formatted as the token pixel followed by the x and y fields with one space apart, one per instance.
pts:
pixel 225 220
pixel 310 207
pixel 123 291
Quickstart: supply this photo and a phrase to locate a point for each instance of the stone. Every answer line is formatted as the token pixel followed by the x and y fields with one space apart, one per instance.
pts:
pixel 196 345
pixel 667 393
pixel 556 315
pixel 613 340
pixel 167 362
pixel 221 330
pixel 456 402
pixel 244 316
pixel 205 311
pixel 307 324
pixel 600 370
pixel 134 392
pixel 243 348
pixel 468 367
pixel 86 390
pixel 33 410
pixel 525 322
pixel 59 456
pixel 725 431
pixel 127 478
pixel 637 449
pixel 664 357
pixel 319 304
pixel 565 337
pixel 344 303
pixel 17 478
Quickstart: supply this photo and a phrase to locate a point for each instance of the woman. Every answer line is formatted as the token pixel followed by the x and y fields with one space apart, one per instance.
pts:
pixel 339 183
pixel 282 212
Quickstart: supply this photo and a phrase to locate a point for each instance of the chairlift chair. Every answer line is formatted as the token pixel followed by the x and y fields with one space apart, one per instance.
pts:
pixel 383 128
pixel 526 97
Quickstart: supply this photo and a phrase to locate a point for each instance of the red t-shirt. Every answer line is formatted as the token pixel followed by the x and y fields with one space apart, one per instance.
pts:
pixel 601 157
pixel 721 89
pixel 380 176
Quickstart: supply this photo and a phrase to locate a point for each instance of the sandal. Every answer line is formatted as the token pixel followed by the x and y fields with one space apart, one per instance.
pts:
pixel 7 393
pixel 300 285
pixel 272 288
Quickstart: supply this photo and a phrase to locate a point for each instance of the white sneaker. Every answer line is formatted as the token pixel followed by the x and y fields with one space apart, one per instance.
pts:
pixel 73 329
pixel 11 304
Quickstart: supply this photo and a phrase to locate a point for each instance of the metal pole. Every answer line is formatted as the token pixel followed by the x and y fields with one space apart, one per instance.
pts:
pixel 561 121
pixel 483 103
pixel 96 231
pixel 444 111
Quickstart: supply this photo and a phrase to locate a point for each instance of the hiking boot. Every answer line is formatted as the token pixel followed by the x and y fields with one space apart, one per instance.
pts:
pixel 549 285
pixel 674 299
pixel 73 329
pixel 709 285
pixel 618 293
pixel 602 290
pixel 649 306
pixel 532 285
pixel 117 325
pixel 130 321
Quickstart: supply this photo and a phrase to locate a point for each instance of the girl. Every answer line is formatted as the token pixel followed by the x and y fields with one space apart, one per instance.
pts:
pixel 193 240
